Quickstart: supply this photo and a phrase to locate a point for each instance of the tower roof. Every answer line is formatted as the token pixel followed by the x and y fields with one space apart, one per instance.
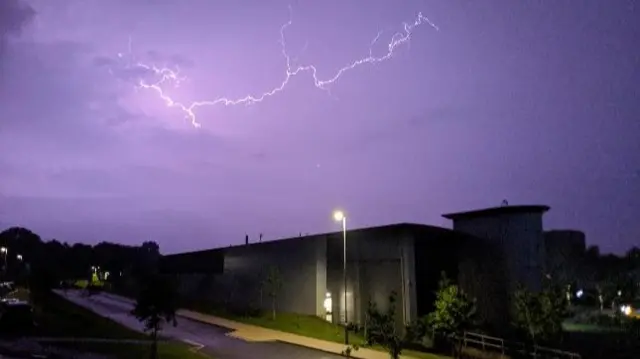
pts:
pixel 494 211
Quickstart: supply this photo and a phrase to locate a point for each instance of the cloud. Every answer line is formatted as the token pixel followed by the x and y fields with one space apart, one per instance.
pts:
pixel 14 15
pixel 64 131
pixel 174 59
pixel 50 92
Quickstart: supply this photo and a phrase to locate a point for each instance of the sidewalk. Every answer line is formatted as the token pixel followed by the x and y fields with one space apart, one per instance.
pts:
pixel 254 333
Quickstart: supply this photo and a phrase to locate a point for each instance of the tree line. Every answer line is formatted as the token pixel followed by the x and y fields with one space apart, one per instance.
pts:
pixel 25 256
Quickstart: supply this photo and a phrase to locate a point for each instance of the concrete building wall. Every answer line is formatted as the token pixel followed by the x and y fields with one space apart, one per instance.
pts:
pixel 520 238
pixel 482 276
pixel 375 269
pixel 409 291
pixel 301 264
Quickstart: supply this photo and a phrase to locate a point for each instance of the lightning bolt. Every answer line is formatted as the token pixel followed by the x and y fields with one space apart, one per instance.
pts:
pixel 167 76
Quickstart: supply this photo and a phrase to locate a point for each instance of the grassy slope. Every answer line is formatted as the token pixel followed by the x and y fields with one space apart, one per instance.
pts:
pixel 57 317
pixel 308 326
pixel 137 351
pixel 314 327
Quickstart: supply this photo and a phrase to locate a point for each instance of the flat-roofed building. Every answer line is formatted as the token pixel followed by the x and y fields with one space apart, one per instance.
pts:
pixel 404 258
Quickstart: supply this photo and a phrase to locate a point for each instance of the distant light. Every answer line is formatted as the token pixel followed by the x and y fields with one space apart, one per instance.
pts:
pixel 3 249
pixel 619 293
pixel 338 215
pixel 626 309
pixel 579 293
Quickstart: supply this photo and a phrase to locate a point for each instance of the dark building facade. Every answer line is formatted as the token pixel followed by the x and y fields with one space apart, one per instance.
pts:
pixel 565 253
pixel 407 259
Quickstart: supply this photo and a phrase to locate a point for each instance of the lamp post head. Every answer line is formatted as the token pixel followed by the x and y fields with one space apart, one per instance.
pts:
pixel 3 249
pixel 338 216
pixel 19 257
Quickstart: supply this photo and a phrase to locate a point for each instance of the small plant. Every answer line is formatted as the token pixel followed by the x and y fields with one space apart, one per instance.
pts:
pixel 350 349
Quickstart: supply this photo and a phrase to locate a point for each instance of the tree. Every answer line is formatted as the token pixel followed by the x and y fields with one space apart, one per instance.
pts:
pixel 156 304
pixel 382 328
pixel 273 283
pixel 539 315
pixel 454 311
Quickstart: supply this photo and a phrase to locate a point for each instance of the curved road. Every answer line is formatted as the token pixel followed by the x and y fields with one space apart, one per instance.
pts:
pixel 212 338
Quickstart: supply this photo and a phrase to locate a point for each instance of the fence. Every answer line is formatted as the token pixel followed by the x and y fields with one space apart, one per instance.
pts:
pixel 489 343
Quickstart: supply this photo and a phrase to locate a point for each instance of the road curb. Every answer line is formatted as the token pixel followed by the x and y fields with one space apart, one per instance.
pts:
pixel 316 349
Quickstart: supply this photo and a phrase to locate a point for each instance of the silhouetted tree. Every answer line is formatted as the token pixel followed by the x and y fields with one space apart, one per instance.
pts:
pixel 156 304
pixel 52 262
pixel 540 315
pixel 273 284
pixel 454 312
pixel 382 328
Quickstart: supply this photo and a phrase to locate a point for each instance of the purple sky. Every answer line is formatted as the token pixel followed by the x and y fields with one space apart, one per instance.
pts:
pixel 529 101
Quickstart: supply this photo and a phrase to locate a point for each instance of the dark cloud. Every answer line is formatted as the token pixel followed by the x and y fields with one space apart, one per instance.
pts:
pixel 49 89
pixel 14 15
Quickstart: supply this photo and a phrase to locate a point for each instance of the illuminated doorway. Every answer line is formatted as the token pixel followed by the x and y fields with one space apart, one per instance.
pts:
pixel 328 308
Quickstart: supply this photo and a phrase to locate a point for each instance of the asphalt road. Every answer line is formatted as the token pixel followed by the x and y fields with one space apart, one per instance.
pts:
pixel 212 338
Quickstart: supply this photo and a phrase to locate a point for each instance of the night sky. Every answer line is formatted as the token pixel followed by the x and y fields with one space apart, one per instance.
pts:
pixel 535 102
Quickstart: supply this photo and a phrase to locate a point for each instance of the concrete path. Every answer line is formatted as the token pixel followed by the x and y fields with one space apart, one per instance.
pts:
pixel 254 333
pixel 211 339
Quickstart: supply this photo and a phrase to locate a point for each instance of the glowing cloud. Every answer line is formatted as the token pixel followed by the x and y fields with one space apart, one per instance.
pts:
pixel 171 77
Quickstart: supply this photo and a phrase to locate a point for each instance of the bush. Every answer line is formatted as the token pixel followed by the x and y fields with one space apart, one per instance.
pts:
pixel 250 311
pixel 94 289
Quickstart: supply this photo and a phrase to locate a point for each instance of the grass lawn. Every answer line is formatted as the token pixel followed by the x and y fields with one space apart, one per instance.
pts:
pixel 315 327
pixel 138 351
pixel 83 283
pixel 308 326
pixel 588 328
pixel 19 294
pixel 57 317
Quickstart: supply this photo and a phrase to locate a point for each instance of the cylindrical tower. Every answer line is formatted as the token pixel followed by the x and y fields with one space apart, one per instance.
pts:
pixel 517 232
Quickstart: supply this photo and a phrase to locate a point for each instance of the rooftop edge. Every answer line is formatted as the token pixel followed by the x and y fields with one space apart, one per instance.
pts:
pixel 497 211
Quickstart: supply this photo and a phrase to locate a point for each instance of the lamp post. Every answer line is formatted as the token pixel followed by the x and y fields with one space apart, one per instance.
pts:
pixel 340 217
pixel 4 252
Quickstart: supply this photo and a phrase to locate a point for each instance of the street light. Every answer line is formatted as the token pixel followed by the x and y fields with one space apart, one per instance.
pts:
pixel 19 257
pixel 4 252
pixel 340 217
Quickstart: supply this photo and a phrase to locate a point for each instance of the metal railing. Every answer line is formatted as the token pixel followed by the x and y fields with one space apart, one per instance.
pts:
pixel 489 343
pixel 484 342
